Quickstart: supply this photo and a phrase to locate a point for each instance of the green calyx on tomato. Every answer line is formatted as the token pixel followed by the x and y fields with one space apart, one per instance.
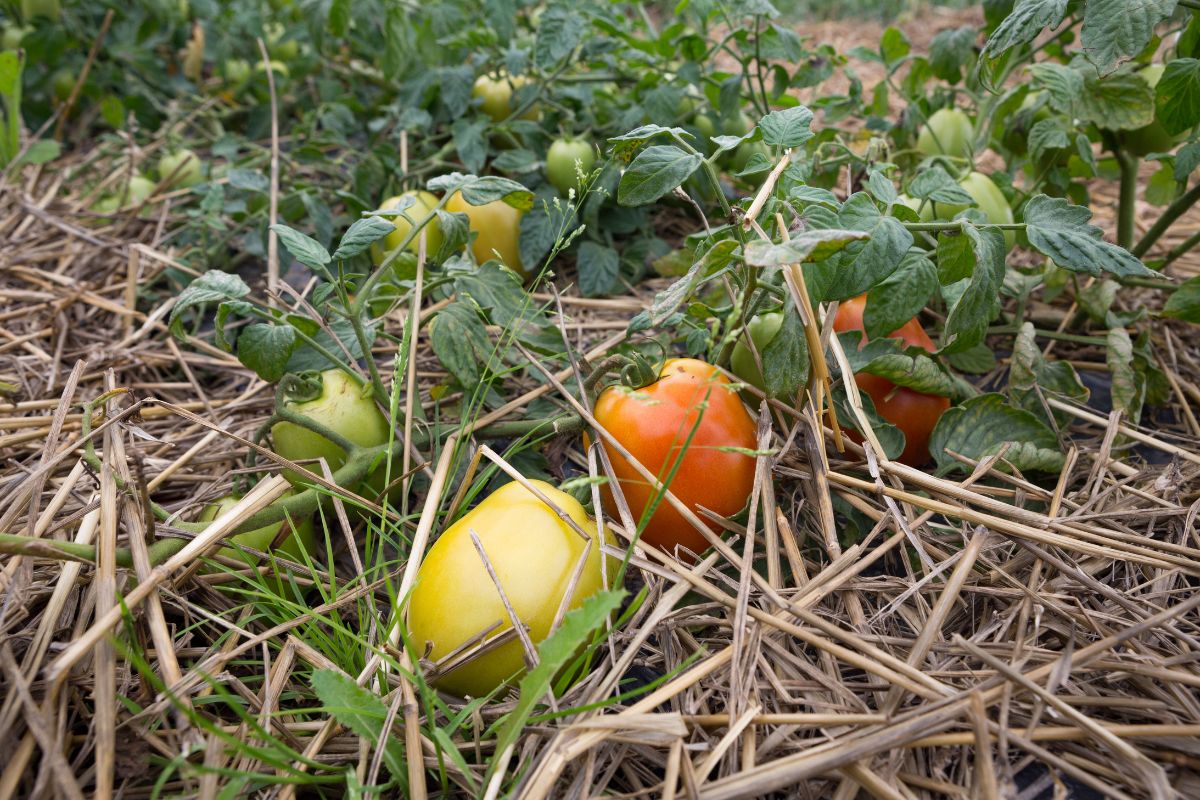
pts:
pixel 298 539
pixel 914 413
pixel 947 132
pixel 533 552
pixel 691 430
pixel 344 406
pixel 987 196
pixel 561 161
pixel 424 203
pixel 762 330
pixel 497 228
pixel 182 168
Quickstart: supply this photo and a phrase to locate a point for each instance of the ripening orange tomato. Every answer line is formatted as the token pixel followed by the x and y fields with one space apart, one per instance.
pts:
pixel 690 400
pixel 912 412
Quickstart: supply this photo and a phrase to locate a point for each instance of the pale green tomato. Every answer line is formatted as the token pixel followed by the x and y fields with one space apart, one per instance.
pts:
pixel 533 552
pixel 11 38
pixel 301 539
pixel 947 132
pixel 560 163
pixel 237 70
pixel 425 203
pixel 988 198
pixel 182 167
pixel 762 329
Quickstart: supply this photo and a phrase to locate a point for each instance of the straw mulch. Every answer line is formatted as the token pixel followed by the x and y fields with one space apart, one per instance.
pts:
pixel 987 632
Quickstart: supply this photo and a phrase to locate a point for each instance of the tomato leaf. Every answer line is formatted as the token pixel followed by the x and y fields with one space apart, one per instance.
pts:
pixel 1177 96
pixel 788 128
pixel 812 245
pixel 656 171
pixel 305 249
pixel 785 362
pixel 598 267
pixel 979 302
pixel 555 652
pixel 470 143
pixel 1115 30
pixel 213 286
pixel 900 296
pixel 1031 378
pixel 495 289
pixel 668 301
pixel 950 51
pixel 1027 20
pixel 338 338
pixel 361 235
pixel 266 349
pixel 936 185
pixel 460 341
pixel 982 425
pixel 1128 387
pixel 1187 158
pixel 893 46
pixel 1122 101
pixel 360 711
pixel 560 30
pixel 1184 303
pixel 1060 230
pixel 861 265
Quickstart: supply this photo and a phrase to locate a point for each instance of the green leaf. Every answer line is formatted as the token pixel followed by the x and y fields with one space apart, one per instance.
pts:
pixel 1128 387
pixel 668 301
pixel 936 185
pixel 1063 84
pixel 1123 101
pixel 901 296
pixel 555 652
pixel 1115 30
pixel 811 245
pixel 249 180
pixel 982 425
pixel 977 306
pixel 495 289
pixel 891 437
pixel 912 370
pixel 1177 96
pixel 560 30
pixel 791 127
pixel 599 267
pixel 977 360
pixel 893 46
pixel 862 264
pixel 306 250
pixel 41 152
pixel 1187 158
pixel 338 338
pixel 361 711
pixel 1061 231
pixel 266 349
pixel 655 172
pixel 1045 135
pixel 361 235
pixel 213 286
pixel 1032 378
pixel 785 358
pixel 481 191
pixel 470 142
pixel 1027 20
pixel 460 342
pixel 950 51
pixel 1184 303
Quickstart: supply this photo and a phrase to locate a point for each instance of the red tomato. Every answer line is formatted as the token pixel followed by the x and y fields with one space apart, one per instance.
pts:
pixel 654 422
pixel 912 412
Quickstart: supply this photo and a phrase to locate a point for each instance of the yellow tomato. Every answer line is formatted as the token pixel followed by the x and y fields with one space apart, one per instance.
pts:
pixel 425 203
pixel 495 95
pixel 498 231
pixel 534 554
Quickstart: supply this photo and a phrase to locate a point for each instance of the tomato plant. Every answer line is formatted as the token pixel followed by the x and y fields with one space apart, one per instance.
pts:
pixel 914 413
pixel 679 428
pixel 533 552
pixel 561 161
pixel 1152 138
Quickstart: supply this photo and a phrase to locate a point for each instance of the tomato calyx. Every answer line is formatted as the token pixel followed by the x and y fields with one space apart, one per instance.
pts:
pixel 635 371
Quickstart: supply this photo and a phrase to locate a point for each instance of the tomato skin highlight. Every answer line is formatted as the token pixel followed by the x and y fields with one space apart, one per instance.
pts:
pixel 913 412
pixel 654 422
pixel 344 406
pixel 534 554
pixel 498 226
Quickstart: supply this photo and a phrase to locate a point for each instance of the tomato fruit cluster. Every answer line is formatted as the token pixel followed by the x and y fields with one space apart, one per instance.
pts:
pixel 913 412
pixel 533 553
pixel 686 428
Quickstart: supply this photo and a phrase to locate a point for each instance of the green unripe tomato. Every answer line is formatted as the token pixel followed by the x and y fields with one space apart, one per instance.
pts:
pixel 182 168
pixel 12 35
pixel 533 552
pixel 561 160
pixel 425 203
pixel 762 329
pixel 947 132
pixel 987 197
pixel 137 191
pixel 707 126
pixel 31 9
pixel 1152 138
pixel 237 70
pixel 738 125
pixel 344 405
pixel 300 540
pixel 746 151
pixel 62 83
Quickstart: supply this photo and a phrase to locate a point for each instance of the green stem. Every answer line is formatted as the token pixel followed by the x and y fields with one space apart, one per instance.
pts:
pixel 1055 335
pixel 1172 213
pixel 1128 162
pixel 1179 250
